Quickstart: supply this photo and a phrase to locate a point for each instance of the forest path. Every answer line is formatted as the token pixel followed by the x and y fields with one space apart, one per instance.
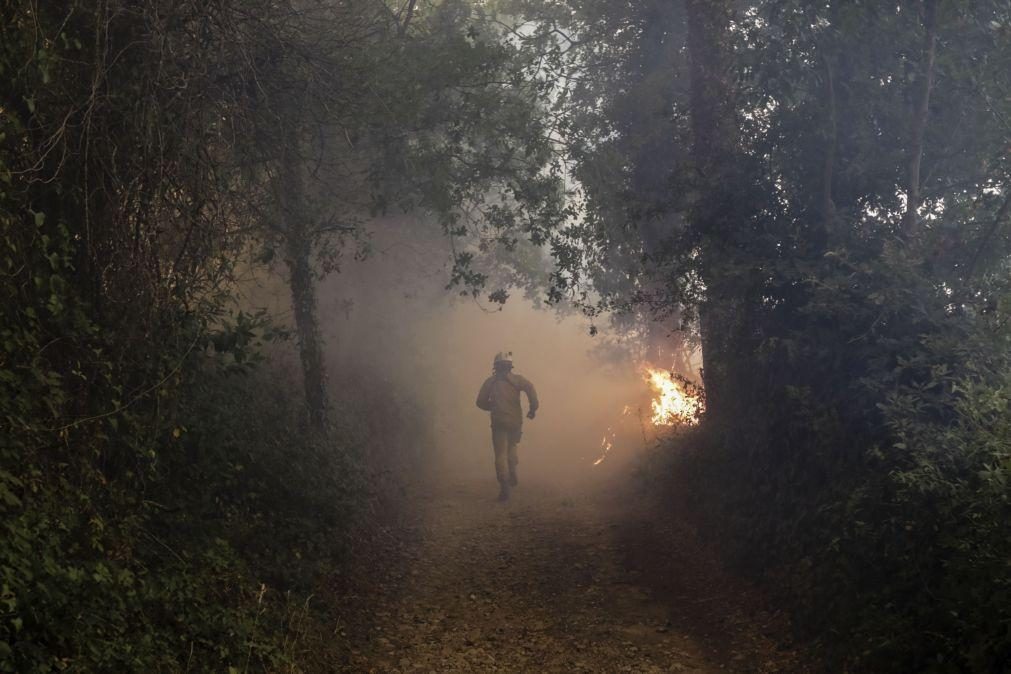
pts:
pixel 556 582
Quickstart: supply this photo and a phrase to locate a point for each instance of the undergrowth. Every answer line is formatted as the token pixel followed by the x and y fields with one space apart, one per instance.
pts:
pixel 868 483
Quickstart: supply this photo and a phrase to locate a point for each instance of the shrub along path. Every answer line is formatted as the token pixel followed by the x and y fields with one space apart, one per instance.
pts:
pixel 560 582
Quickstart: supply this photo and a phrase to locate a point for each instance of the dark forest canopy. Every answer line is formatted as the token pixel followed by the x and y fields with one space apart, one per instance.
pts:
pixel 825 186
pixel 817 194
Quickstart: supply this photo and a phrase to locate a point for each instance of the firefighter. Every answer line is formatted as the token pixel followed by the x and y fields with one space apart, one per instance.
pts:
pixel 500 395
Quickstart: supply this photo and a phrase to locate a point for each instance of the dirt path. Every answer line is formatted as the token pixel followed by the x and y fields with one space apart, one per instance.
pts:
pixel 545 583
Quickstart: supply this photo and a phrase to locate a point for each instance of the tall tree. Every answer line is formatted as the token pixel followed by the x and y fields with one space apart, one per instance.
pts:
pixel 716 144
pixel 368 117
pixel 840 188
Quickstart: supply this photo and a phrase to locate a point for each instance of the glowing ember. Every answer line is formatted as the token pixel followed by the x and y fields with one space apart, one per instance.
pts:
pixel 672 403
pixel 607 442
pixel 606 445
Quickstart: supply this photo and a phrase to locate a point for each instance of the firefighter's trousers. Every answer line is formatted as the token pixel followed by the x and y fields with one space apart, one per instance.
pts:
pixel 504 441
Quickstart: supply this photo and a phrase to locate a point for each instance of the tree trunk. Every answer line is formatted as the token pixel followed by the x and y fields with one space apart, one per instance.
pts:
pixel 298 240
pixel 918 127
pixel 828 209
pixel 714 146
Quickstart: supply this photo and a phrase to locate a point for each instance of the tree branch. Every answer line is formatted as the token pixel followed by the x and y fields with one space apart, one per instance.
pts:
pixel 408 15
pixel 828 171
pixel 919 126
pixel 987 236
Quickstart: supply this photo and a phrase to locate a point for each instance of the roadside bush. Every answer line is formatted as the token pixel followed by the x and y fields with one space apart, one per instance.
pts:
pixel 178 522
pixel 873 491
pixel 163 507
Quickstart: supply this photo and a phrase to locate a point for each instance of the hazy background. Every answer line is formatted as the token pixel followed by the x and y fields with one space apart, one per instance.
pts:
pixel 391 325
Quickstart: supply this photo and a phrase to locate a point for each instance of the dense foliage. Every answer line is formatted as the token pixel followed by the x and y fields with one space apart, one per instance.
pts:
pixel 825 186
pixel 817 194
pixel 169 500
pixel 144 481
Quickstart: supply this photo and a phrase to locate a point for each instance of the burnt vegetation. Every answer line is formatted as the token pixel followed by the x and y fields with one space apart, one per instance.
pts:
pixel 814 195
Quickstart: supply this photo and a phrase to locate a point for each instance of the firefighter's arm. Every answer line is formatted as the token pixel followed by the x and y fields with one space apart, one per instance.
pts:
pixel 531 397
pixel 484 396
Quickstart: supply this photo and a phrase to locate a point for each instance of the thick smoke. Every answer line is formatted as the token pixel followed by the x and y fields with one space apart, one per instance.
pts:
pixel 390 317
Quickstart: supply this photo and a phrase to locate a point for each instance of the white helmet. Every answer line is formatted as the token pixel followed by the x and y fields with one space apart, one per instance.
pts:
pixel 503 357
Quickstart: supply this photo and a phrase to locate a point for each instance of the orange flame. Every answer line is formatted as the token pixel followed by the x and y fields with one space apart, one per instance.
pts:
pixel 675 402
pixel 672 403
